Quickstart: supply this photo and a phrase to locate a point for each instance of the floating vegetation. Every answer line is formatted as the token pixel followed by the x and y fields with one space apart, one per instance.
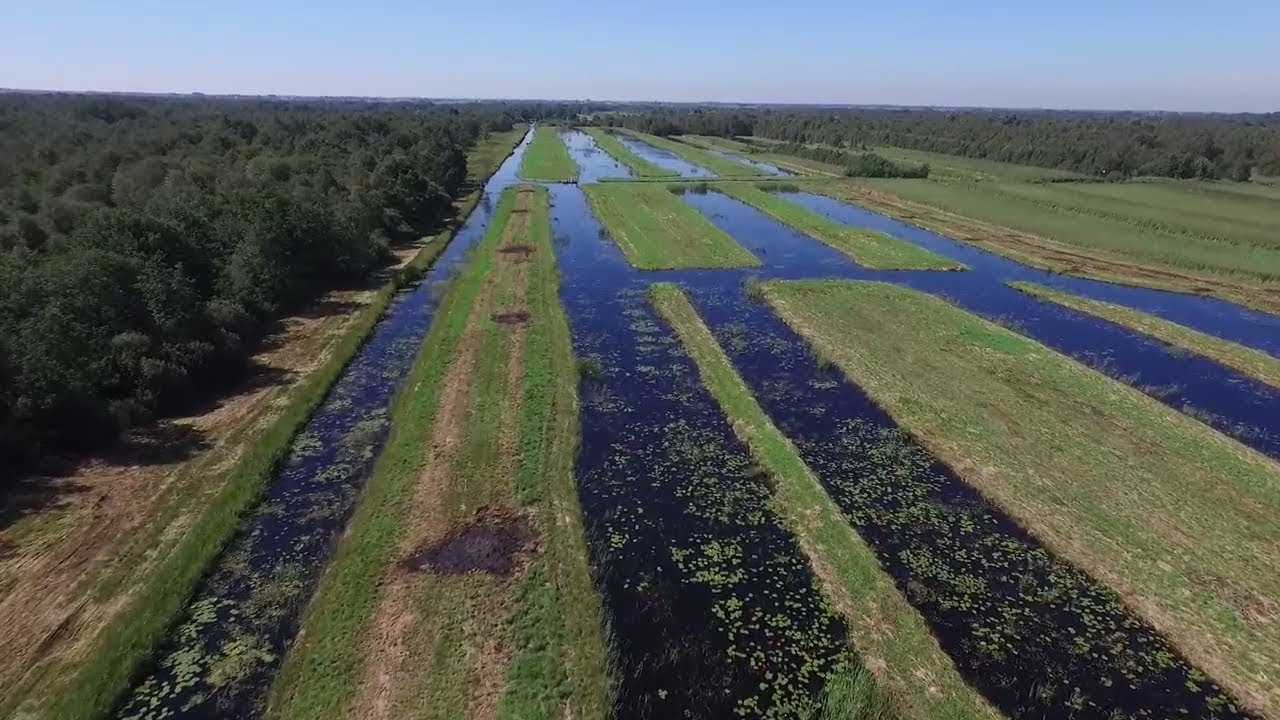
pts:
pixel 220 658
pixel 713 609
pixel 1037 637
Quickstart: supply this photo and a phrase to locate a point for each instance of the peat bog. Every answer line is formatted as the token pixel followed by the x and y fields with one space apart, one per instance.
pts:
pixel 673 561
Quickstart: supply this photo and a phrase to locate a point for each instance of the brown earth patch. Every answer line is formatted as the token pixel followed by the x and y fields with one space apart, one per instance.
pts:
pixel 513 317
pixel 495 542
pixel 518 252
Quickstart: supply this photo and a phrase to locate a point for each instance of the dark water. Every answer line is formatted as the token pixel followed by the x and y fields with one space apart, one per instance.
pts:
pixel 219 661
pixel 1229 401
pixel 1208 315
pixel 664 159
pixel 594 164
pixel 1036 637
pixel 711 605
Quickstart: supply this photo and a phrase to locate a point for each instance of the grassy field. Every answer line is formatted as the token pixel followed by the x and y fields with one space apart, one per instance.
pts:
pixel 1118 225
pixel 1176 518
pixel 868 248
pixel 547 159
pixel 638 165
pixel 1085 243
pixel 914 677
pixel 484 434
pixel 942 165
pixel 657 231
pixel 125 594
pixel 1251 362
pixel 796 165
pixel 721 166
pixel 959 167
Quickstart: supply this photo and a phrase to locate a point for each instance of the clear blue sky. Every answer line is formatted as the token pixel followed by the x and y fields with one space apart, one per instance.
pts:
pixel 1142 54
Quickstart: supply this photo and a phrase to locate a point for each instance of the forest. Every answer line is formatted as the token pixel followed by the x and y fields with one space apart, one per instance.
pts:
pixel 147 244
pixel 1111 145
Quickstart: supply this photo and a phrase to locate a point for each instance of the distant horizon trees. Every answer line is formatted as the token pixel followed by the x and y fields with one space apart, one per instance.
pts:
pixel 1109 145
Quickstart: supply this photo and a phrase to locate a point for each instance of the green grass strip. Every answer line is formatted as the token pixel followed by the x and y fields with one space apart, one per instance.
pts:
pixel 1176 517
pixel 917 679
pixel 639 167
pixel 134 635
pixel 869 248
pixel 547 158
pixel 322 673
pixel 721 166
pixel 656 230
pixel 1254 363
pixel 561 656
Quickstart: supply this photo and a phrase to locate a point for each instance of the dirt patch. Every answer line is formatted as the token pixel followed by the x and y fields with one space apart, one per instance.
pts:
pixel 517 252
pixel 495 542
pixel 514 317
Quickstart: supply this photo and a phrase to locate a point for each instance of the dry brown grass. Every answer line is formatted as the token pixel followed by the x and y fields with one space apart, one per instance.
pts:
pixel 1047 254
pixel 72 566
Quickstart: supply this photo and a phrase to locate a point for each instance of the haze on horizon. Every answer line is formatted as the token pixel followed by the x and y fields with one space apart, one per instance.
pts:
pixel 1147 55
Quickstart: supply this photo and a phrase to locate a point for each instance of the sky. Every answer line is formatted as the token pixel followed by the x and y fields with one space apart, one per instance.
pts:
pixel 1097 54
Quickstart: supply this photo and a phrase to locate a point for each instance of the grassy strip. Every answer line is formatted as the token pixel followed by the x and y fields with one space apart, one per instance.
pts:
pixel 638 165
pixel 132 637
pixel 559 667
pixel 657 231
pixel 322 672
pixel 559 659
pixel 1039 237
pixel 1175 517
pixel 917 679
pixel 695 155
pixel 868 248
pixel 547 159
pixel 1251 362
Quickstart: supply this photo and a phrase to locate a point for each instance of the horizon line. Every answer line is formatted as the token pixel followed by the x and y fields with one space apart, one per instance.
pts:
pixel 735 103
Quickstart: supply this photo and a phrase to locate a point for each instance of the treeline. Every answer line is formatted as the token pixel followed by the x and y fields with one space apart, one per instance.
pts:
pixel 855 164
pixel 148 244
pixel 1112 145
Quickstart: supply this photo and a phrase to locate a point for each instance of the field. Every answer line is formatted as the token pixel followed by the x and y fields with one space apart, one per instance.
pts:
pixel 868 248
pixel 721 166
pixel 1072 238
pixel 482 453
pixel 91 582
pixel 1246 360
pixel 657 231
pixel 638 165
pixel 547 159
pixel 1115 222
pixel 1174 517
pixel 664 446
